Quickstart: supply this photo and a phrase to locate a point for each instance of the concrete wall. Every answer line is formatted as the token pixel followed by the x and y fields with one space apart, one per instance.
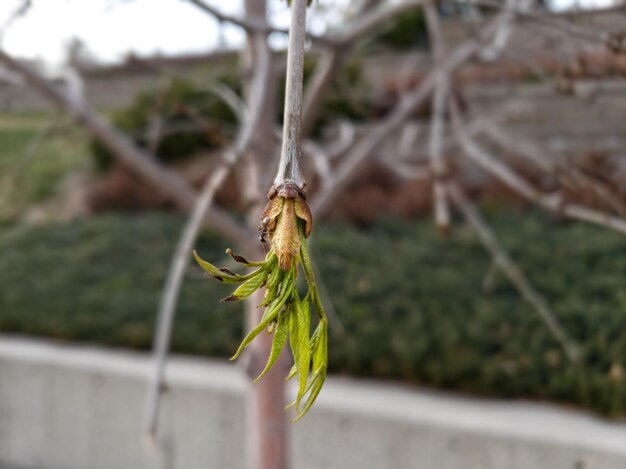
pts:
pixel 66 407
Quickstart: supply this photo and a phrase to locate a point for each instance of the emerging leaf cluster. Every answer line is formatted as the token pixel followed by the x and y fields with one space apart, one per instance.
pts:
pixel 287 315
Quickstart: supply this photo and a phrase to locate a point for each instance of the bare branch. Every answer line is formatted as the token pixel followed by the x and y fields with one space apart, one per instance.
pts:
pixel 437 122
pixel 408 171
pixel 331 60
pixel 249 121
pixel 289 166
pixel 568 176
pixel 345 139
pixel 552 202
pixel 505 28
pixel 371 20
pixel 553 20
pixel 231 99
pixel 406 105
pixel 164 180
pixel 249 23
pixel 513 272
pixel 319 84
pixel 323 156
pixel 175 276
pixel 256 25
pixel 408 139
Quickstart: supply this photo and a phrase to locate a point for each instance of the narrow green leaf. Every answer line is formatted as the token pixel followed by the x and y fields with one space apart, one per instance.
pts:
pixel 294 339
pixel 292 373
pixel 320 365
pixel 214 271
pixel 280 337
pixel 268 317
pixel 304 352
pixel 320 353
pixel 315 337
pixel 273 282
pixel 224 275
pixel 248 287
pixel 315 390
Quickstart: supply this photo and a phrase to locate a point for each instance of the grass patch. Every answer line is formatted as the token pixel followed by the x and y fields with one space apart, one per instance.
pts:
pixel 411 302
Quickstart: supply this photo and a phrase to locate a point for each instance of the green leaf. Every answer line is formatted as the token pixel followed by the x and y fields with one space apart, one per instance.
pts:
pixel 304 352
pixel 273 282
pixel 225 275
pixel 316 387
pixel 294 340
pixel 214 271
pixel 320 365
pixel 280 337
pixel 320 353
pixel 315 337
pixel 268 317
pixel 248 287
pixel 292 373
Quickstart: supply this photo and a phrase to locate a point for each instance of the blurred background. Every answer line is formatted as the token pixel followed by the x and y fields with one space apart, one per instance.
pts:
pixel 514 290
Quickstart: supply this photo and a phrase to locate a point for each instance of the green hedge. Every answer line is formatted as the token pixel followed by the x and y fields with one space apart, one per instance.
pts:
pixel 411 301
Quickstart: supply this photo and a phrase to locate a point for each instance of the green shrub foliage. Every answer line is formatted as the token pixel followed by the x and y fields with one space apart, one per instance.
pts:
pixel 411 302
pixel 192 119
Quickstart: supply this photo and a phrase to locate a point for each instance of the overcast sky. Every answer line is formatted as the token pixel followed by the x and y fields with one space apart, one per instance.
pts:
pixel 112 28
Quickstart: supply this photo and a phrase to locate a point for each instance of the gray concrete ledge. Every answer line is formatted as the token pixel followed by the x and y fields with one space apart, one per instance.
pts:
pixel 77 407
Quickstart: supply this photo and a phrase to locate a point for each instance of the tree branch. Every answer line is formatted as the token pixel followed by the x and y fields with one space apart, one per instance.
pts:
pixel 552 202
pixel 330 63
pixel 553 20
pixel 406 105
pixel 319 84
pixel 437 122
pixel 257 25
pixel 164 180
pixel 372 19
pixel 289 166
pixel 169 298
pixel 248 135
pixel 513 272
pixel 568 176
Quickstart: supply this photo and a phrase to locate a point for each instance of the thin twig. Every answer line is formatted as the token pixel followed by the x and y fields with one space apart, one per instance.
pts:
pixel 249 121
pixel 323 156
pixel 552 20
pixel 167 306
pixel 568 175
pixel 256 25
pixel 505 28
pixel 371 19
pixel 437 122
pixel 323 77
pixel 406 105
pixel 289 165
pixel 340 44
pixel 513 272
pixel 552 202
